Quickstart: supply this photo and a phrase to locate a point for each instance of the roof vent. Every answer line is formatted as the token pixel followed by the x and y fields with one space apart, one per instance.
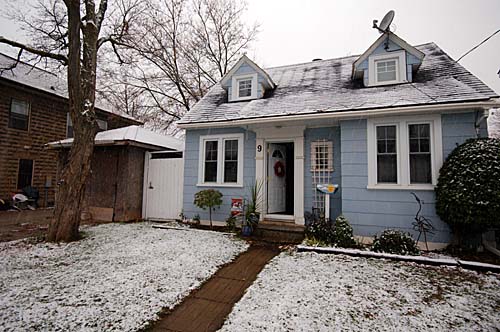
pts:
pixel 317 59
pixel 52 88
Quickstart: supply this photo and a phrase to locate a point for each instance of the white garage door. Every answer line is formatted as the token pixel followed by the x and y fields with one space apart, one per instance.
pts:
pixel 163 181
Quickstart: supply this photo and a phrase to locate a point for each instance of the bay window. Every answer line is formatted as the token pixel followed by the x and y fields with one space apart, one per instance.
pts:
pixel 404 152
pixel 221 160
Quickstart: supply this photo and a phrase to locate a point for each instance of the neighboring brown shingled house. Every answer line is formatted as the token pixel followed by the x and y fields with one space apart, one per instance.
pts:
pixel 33 112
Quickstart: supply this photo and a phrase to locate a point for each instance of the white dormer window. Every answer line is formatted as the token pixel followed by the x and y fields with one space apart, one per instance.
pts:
pixel 387 68
pixel 244 87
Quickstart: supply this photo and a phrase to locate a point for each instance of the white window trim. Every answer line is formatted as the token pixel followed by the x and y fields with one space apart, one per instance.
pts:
pixel 400 56
pixel 220 160
pixel 402 148
pixel 235 87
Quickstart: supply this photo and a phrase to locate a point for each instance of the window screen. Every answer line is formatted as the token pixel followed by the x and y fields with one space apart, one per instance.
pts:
pixel 25 173
pixel 420 153
pixel 231 161
pixel 387 157
pixel 211 148
pixel 19 114
pixel 386 70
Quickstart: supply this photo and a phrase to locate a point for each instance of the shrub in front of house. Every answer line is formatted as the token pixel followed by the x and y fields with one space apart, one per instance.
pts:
pixel 343 233
pixel 395 242
pixel 468 189
pixel 322 232
pixel 208 199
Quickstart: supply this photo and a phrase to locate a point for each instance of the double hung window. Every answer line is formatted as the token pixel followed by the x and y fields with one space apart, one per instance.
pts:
pixel 404 152
pixel 221 160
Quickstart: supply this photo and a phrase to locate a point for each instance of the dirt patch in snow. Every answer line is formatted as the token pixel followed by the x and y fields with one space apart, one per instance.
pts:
pixel 318 292
pixel 116 279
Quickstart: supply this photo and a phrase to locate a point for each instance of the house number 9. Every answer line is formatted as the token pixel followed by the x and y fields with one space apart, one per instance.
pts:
pixel 259 148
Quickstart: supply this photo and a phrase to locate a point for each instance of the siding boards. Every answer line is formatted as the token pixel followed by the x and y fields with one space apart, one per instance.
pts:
pixel 191 155
pixel 331 134
pixel 372 211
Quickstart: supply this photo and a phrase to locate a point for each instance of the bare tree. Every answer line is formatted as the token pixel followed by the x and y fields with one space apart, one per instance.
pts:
pixel 69 32
pixel 181 49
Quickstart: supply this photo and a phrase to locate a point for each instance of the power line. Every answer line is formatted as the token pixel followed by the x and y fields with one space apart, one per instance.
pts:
pixel 481 43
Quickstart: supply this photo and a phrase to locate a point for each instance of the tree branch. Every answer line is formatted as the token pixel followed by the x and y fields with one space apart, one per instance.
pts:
pixel 59 57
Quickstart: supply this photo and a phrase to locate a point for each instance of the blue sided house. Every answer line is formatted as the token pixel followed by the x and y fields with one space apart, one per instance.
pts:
pixel 378 124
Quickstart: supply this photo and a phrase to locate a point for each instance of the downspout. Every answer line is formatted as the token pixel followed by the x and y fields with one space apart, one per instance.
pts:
pixel 479 119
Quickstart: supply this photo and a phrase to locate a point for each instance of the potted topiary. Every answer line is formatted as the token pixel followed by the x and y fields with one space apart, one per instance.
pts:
pixel 208 199
pixel 252 214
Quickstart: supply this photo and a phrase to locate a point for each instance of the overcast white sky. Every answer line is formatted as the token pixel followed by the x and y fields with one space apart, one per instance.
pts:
pixel 294 31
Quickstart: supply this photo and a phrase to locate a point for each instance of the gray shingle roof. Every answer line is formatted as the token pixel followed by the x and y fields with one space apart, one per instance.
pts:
pixel 37 78
pixel 326 86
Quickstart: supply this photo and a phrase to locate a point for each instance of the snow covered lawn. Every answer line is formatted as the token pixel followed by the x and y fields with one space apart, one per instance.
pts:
pixel 320 292
pixel 117 278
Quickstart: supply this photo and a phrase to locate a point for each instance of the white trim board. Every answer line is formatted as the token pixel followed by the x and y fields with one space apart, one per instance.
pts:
pixel 347 115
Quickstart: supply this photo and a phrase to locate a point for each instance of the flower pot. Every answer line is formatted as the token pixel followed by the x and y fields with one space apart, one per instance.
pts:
pixel 246 230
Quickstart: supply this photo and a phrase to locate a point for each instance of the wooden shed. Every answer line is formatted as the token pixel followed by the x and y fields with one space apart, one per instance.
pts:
pixel 114 190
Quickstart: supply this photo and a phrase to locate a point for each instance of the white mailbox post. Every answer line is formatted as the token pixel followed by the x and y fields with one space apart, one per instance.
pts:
pixel 328 189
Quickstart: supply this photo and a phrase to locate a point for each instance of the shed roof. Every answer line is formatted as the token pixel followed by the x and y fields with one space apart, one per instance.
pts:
pixel 326 86
pixel 130 134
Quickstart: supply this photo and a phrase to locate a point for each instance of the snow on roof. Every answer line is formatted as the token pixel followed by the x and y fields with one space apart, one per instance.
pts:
pixel 326 86
pixel 32 76
pixel 37 78
pixel 131 133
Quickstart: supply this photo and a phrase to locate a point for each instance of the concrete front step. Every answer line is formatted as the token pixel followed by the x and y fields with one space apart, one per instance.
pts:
pixel 279 231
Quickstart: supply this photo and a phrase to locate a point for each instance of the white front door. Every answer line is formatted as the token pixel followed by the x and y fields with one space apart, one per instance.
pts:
pixel 276 185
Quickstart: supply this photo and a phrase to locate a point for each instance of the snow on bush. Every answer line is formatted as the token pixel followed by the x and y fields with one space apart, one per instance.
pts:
pixel 323 232
pixel 320 292
pixel 116 279
pixel 396 242
pixel 468 189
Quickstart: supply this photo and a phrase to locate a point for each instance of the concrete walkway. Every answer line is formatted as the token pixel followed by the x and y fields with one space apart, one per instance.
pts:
pixel 206 309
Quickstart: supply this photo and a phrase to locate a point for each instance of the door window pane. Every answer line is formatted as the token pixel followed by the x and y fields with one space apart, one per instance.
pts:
pixel 25 173
pixel 231 161
pixel 210 161
pixel 420 153
pixel 387 168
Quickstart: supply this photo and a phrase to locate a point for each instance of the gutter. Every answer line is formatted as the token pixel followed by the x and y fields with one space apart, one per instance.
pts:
pixel 345 115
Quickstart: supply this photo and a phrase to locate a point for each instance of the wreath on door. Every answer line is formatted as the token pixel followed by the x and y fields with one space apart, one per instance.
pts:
pixel 279 169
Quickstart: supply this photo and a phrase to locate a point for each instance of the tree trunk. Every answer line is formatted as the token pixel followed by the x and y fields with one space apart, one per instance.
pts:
pixel 81 94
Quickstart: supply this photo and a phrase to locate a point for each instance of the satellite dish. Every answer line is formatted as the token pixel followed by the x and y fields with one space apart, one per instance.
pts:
pixel 386 22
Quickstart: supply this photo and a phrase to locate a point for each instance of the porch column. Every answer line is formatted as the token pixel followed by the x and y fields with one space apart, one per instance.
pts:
pixel 299 180
pixel 260 172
